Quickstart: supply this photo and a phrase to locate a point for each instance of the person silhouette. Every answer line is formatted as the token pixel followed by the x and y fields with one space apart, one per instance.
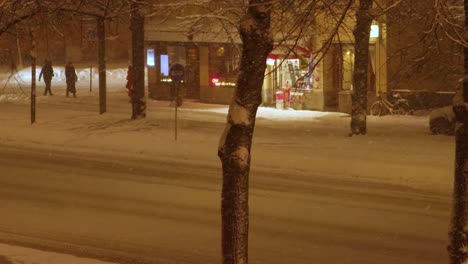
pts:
pixel 47 72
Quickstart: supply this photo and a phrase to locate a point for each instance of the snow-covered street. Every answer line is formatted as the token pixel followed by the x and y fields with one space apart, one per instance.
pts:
pixel 106 187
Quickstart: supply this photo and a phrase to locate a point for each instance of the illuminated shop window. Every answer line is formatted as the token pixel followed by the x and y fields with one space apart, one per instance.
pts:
pixel 270 62
pixel 150 57
pixel 374 32
pixel 224 62
pixel 164 64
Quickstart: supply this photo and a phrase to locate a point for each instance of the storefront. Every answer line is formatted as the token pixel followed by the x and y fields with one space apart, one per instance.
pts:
pixel 339 70
pixel 211 69
pixel 339 62
pixel 223 70
pixel 292 76
pixel 312 81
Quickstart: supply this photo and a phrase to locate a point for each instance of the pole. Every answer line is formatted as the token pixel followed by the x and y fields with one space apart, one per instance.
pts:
pixel 33 90
pixel 176 104
pixel 33 76
pixel 102 64
pixel 91 78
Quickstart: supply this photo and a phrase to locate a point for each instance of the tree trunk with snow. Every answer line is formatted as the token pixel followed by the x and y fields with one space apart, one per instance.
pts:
pixel 102 64
pixel 458 248
pixel 138 61
pixel 361 64
pixel 33 76
pixel 235 144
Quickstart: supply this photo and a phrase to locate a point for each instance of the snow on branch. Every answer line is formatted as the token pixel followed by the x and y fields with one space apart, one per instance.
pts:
pixel 449 18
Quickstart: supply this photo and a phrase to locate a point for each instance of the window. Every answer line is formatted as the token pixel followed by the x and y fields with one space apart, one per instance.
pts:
pixel 374 32
pixel 150 57
pixel 164 64
pixel 224 63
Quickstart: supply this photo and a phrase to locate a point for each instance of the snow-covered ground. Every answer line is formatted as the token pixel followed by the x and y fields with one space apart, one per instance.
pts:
pixel 398 150
pixel 22 255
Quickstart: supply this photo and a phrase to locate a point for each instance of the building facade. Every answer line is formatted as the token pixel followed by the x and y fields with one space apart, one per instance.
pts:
pixel 211 61
pixel 319 79
pixel 66 39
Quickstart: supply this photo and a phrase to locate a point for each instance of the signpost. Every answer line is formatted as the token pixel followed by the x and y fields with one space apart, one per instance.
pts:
pixel 177 76
pixel 33 76
pixel 90 78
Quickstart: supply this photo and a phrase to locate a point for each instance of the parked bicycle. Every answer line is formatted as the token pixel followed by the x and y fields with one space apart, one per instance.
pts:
pixel 383 106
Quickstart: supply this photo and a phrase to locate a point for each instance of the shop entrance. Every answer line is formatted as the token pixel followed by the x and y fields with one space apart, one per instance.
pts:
pixel 340 67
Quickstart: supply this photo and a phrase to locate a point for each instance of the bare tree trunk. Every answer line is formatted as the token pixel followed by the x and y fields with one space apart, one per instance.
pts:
pixel 33 76
pixel 458 248
pixel 361 64
pixel 102 64
pixel 235 144
pixel 138 61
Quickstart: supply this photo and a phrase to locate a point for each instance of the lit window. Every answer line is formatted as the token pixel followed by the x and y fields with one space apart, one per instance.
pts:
pixel 165 64
pixel 374 32
pixel 150 57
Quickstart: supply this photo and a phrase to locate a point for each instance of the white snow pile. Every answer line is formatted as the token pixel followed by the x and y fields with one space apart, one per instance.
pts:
pixel 115 74
pixel 267 113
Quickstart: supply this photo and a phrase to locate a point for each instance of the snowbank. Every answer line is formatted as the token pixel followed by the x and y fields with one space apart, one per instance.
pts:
pixel 116 78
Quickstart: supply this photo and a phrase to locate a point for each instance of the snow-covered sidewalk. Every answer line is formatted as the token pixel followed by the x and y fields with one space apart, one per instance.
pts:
pixel 21 255
pixel 398 150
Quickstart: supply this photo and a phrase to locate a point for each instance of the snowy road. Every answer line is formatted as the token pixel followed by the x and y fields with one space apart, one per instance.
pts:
pixel 130 210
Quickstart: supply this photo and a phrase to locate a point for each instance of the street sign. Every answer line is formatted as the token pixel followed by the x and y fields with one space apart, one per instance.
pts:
pixel 176 72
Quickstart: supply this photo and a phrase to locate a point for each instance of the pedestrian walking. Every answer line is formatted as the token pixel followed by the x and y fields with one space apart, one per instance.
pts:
pixel 129 84
pixel 47 72
pixel 71 78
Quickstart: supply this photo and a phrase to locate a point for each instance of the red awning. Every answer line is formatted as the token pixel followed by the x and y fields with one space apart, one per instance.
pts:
pixel 283 51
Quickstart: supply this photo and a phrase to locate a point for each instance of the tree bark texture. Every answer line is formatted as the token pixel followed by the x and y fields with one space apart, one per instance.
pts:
pixel 361 64
pixel 33 76
pixel 102 64
pixel 235 144
pixel 458 248
pixel 138 61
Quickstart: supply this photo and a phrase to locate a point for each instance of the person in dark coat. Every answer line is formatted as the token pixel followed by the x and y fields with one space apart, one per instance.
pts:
pixel 129 84
pixel 47 72
pixel 71 78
